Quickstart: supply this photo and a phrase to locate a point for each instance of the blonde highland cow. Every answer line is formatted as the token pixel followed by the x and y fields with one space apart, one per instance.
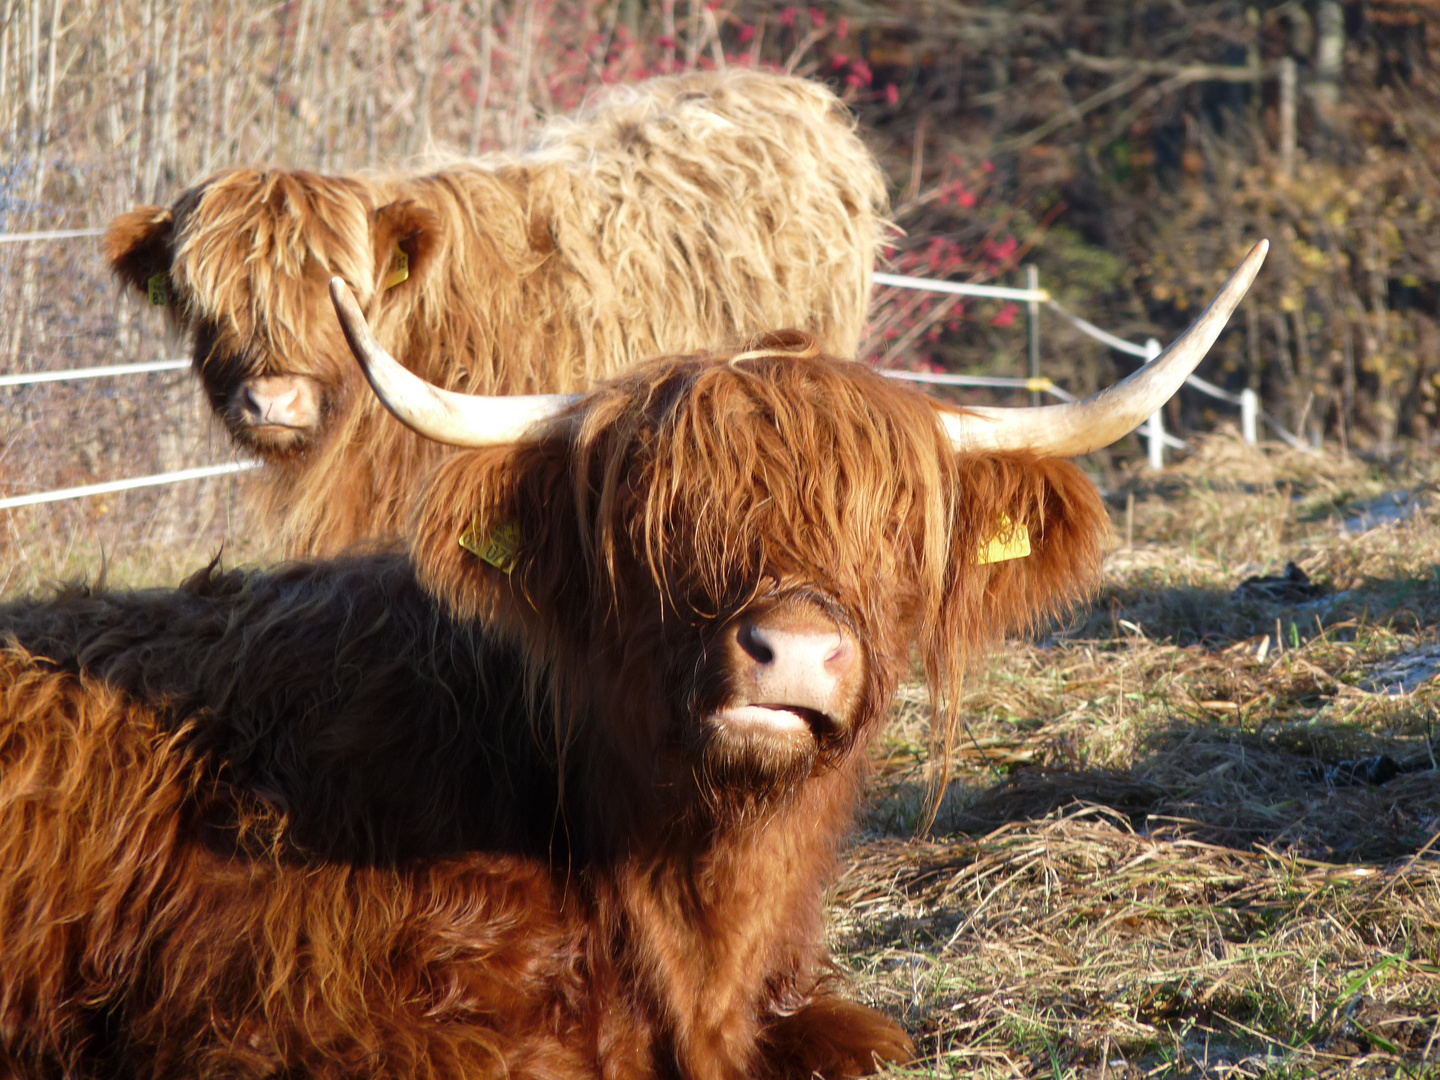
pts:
pixel 676 215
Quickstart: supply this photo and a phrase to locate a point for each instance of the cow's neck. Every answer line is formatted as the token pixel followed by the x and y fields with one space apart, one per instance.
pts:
pixel 725 928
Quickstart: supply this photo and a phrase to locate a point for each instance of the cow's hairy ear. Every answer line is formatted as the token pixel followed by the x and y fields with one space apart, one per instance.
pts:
pixel 495 527
pixel 137 245
pixel 405 236
pixel 1063 523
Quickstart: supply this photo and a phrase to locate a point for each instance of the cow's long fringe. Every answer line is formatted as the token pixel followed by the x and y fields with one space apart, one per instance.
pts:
pixel 684 213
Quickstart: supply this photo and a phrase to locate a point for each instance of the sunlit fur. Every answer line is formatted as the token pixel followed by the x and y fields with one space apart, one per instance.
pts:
pixel 353 818
pixel 674 215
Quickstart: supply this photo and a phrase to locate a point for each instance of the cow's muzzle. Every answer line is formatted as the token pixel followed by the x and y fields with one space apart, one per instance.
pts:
pixel 795 674
pixel 275 412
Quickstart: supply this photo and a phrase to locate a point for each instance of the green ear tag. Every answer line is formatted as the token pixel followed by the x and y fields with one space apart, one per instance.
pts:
pixel 402 268
pixel 1011 542
pixel 499 547
pixel 157 287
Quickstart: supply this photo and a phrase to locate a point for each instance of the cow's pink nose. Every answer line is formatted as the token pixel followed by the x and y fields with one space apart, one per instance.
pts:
pixel 281 400
pixel 802 650
pixel 794 657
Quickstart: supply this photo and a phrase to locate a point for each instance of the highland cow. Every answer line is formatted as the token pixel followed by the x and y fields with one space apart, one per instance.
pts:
pixel 668 217
pixel 559 796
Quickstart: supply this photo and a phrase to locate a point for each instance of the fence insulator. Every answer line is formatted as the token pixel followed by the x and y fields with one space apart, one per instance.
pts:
pixel 1249 415
pixel 1155 426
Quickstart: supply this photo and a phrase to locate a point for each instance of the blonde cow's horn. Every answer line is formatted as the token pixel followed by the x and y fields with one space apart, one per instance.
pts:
pixel 1101 419
pixel 441 415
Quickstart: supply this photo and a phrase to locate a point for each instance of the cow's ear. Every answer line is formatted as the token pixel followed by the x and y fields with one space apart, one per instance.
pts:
pixel 1036 533
pixel 405 237
pixel 138 247
pixel 494 529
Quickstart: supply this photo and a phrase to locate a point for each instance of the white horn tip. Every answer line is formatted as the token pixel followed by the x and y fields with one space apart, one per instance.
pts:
pixel 1255 256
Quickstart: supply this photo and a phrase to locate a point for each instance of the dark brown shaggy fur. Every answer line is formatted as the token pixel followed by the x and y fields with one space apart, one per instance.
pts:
pixel 314 823
pixel 671 216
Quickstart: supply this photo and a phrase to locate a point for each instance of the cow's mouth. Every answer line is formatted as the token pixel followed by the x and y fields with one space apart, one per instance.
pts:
pixel 272 438
pixel 776 720
pixel 276 431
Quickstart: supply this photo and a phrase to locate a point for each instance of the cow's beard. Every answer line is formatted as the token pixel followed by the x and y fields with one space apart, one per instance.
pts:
pixel 270 441
pixel 756 763
pixel 744 772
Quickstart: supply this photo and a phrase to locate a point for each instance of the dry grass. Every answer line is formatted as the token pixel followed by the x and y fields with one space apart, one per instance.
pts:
pixel 1074 945
pixel 1162 853
pixel 135 538
pixel 69 435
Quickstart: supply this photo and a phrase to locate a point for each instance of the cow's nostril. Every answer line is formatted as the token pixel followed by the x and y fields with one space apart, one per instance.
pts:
pixel 752 640
pixel 250 403
pixel 842 657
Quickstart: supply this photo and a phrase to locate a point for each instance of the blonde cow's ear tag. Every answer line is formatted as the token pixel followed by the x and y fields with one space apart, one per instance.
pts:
pixel 1011 542
pixel 157 287
pixel 402 268
pixel 499 547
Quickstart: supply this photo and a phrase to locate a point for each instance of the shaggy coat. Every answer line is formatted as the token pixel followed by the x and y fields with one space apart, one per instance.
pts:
pixel 375 817
pixel 667 217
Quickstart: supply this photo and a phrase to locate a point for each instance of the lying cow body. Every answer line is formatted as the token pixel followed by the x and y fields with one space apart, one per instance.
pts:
pixel 312 825
pixel 373 870
pixel 668 217
pixel 561 795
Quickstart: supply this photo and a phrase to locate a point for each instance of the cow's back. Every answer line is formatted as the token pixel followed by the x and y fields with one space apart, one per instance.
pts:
pixel 337 690
pixel 678 215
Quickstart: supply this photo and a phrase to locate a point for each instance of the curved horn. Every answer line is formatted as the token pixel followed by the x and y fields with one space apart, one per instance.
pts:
pixel 455 419
pixel 1082 426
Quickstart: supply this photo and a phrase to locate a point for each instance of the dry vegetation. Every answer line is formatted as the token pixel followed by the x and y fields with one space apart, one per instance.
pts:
pixel 1173 844
pixel 1176 846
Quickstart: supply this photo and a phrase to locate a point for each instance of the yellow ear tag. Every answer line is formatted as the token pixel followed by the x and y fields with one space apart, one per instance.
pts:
pixel 499 548
pixel 402 268
pixel 1011 542
pixel 157 287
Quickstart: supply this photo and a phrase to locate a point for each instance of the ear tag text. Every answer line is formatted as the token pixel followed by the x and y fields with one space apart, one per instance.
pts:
pixel 1011 542
pixel 157 287
pixel 402 268
pixel 500 547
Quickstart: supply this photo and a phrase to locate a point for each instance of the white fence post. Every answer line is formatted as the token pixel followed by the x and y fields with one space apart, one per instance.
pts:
pixel 1154 430
pixel 1249 415
pixel 1155 426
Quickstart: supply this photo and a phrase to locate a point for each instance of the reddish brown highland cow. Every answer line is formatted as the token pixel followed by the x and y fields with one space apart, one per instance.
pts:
pixel 668 217
pixel 560 798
